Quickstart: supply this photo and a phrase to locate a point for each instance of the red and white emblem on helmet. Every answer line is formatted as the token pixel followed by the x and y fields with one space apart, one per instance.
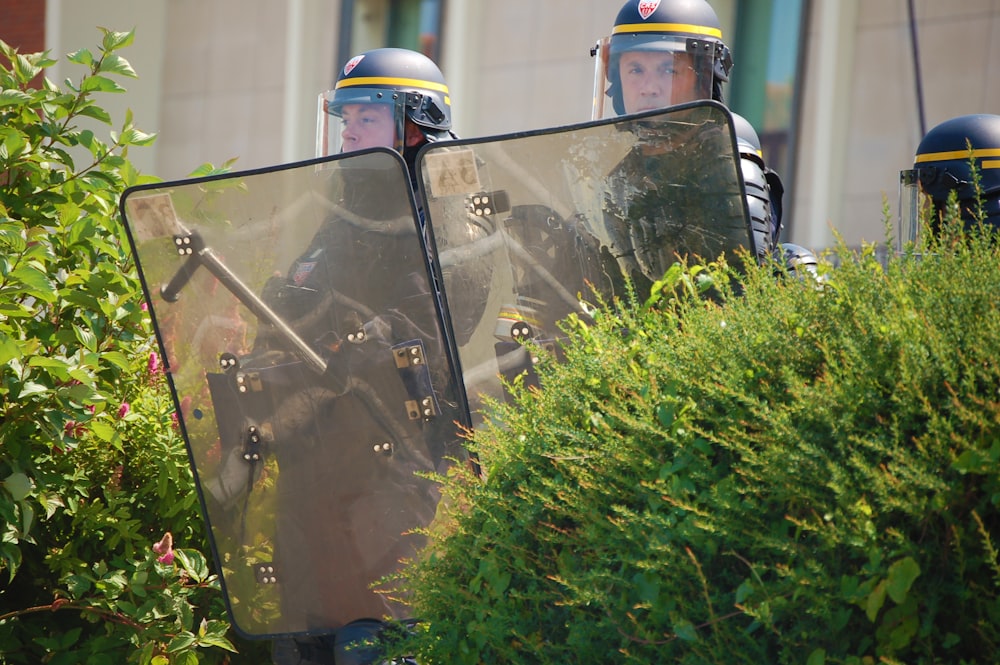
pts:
pixel 356 60
pixel 647 7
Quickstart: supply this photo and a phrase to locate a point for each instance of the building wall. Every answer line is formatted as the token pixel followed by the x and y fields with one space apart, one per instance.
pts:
pixel 959 45
pixel 217 81
pixel 23 25
pixel 70 26
pixel 239 78
pixel 859 123
pixel 521 64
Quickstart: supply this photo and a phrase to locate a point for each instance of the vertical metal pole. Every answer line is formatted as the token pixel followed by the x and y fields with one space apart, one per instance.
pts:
pixel 917 74
pixel 344 46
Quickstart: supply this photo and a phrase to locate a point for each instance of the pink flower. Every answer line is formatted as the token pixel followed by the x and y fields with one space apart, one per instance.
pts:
pixel 123 409
pixel 144 306
pixel 165 548
pixel 154 363
pixel 74 429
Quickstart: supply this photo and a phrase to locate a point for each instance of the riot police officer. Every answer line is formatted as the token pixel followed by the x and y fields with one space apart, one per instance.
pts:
pixel 358 318
pixel 386 97
pixel 667 52
pixel 389 97
pixel 660 53
pixel 943 166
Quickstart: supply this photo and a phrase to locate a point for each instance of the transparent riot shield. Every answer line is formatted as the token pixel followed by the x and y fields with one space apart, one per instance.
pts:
pixel 529 227
pixel 305 351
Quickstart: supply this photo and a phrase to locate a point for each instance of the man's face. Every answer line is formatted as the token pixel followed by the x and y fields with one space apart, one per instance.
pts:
pixel 655 79
pixel 367 126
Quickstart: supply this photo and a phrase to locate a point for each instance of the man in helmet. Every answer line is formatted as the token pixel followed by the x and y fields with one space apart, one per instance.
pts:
pixel 666 52
pixel 660 53
pixel 944 165
pixel 360 289
pixel 386 97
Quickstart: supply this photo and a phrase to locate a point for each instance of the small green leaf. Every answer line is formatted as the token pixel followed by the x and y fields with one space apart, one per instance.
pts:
pixel 817 657
pixel 193 563
pixel 744 591
pixel 37 282
pixel 96 113
pixel 32 388
pixel 86 337
pixel 104 430
pixel 647 586
pixel 51 502
pixel 182 641
pixel 971 461
pixel 25 68
pixel 57 367
pixel 902 574
pixel 187 658
pixel 18 485
pixel 146 653
pixel 97 83
pixel 133 136
pixel 27 518
pixel 13 97
pixel 138 583
pixel 9 349
pixel 665 413
pixel 115 40
pixel 875 601
pixel 217 641
pixel 116 64
pixel 126 607
pixel 69 638
pixel 686 631
pixel 901 623
pixel 81 57
pixel 208 169
pixel 78 585
pixel 116 358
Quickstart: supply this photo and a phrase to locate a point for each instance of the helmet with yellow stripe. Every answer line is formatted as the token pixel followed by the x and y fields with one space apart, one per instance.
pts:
pixel 375 93
pixel 947 159
pixel 660 53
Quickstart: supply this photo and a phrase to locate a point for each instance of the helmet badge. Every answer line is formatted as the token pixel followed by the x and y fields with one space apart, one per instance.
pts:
pixel 647 7
pixel 352 63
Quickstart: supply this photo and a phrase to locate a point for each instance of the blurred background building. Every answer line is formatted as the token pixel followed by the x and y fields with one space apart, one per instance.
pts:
pixel 840 91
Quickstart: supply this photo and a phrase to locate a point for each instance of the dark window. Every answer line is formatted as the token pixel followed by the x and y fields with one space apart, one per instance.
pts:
pixel 368 24
pixel 766 81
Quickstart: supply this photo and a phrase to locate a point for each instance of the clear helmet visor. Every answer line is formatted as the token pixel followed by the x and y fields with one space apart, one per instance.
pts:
pixel 912 202
pixel 636 73
pixel 351 119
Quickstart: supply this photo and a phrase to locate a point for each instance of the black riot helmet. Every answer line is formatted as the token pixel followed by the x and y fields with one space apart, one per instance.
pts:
pixel 747 140
pixel 393 83
pixel 944 163
pixel 764 189
pixel 681 39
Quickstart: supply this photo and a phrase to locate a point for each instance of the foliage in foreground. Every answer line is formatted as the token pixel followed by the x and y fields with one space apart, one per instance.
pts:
pixel 92 471
pixel 800 473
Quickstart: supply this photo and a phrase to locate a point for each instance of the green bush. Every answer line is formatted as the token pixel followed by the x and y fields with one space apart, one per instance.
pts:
pixel 742 470
pixel 92 470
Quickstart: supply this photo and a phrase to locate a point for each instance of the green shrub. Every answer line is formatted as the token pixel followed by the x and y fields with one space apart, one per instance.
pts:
pixel 92 471
pixel 804 472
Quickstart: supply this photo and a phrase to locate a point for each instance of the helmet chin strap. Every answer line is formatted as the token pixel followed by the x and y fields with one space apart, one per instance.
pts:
pixel 410 151
pixel 717 91
pixel 435 135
